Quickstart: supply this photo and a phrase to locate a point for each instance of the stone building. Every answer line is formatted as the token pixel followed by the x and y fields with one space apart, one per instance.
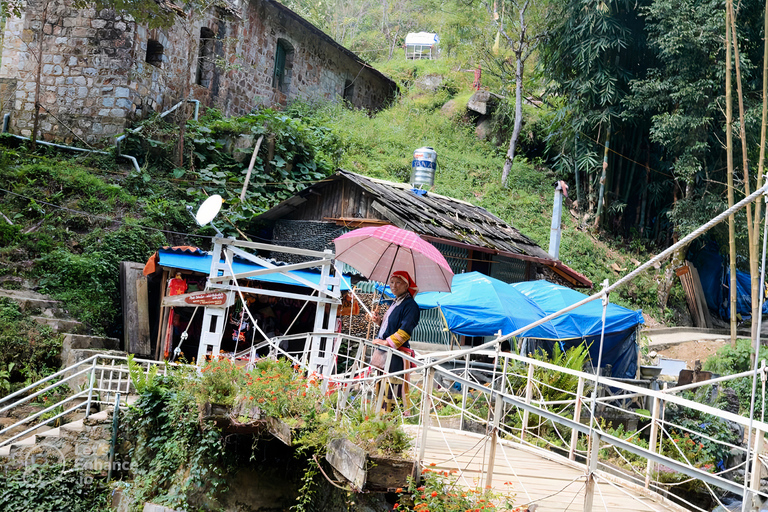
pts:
pixel 101 71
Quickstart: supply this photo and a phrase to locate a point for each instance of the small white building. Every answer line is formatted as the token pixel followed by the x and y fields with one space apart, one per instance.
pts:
pixel 421 45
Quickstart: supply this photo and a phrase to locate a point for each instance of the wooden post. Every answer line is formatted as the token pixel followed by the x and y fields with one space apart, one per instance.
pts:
pixel 576 418
pixel 528 394
pixel 756 473
pixel 426 405
pixel 250 167
pixel 497 414
pixel 653 439
pixel 589 491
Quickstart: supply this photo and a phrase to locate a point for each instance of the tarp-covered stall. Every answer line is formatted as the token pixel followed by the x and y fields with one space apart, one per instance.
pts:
pixel 185 315
pixel 482 306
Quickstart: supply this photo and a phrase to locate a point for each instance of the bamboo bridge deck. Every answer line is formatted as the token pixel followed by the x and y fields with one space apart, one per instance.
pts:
pixel 530 475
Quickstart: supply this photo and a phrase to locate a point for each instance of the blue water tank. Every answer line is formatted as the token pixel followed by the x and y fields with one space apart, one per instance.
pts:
pixel 423 167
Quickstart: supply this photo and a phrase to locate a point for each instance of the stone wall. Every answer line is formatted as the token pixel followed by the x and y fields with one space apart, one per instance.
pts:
pixel 101 71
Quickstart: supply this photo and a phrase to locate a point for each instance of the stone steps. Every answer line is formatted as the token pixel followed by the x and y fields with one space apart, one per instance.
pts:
pixel 83 438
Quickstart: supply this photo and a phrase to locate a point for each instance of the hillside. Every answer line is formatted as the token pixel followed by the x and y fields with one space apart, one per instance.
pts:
pixel 70 218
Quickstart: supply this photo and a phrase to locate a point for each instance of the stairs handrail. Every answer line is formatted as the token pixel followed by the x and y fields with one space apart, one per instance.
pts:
pixel 46 379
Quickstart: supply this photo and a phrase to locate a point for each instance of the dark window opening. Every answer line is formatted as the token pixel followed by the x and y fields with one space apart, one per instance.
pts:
pixel 283 66
pixel 349 90
pixel 154 53
pixel 206 61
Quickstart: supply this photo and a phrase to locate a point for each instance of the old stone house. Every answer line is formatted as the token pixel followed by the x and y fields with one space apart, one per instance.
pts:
pixel 100 71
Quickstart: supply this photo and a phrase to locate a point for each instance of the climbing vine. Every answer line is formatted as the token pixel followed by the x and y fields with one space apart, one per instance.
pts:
pixel 175 459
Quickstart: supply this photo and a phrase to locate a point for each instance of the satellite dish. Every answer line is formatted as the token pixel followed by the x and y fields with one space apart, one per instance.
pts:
pixel 209 209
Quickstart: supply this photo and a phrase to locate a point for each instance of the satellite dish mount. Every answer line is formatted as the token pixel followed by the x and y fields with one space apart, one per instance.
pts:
pixel 208 211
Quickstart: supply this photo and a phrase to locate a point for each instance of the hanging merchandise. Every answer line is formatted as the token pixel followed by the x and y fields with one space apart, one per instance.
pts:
pixel 176 286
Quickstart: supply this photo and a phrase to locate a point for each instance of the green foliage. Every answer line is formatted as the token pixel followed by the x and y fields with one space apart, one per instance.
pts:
pixel 439 491
pixel 143 381
pixel 9 234
pixel 175 460
pixel 52 488
pixel 88 283
pixel 729 360
pixel 705 452
pixel 295 151
pixel 279 391
pixel 220 382
pixel 28 350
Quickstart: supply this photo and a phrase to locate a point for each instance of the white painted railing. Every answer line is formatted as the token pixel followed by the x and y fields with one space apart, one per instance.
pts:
pixel 503 394
pixel 95 380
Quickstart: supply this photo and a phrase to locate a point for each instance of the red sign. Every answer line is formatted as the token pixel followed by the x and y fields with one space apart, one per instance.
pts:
pixel 207 299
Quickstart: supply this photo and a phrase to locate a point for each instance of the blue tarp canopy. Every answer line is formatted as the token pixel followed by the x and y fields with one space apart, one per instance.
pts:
pixel 201 262
pixel 715 279
pixel 479 305
pixel 584 321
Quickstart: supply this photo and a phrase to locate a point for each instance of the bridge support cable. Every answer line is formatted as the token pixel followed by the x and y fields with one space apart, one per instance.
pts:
pixel 755 469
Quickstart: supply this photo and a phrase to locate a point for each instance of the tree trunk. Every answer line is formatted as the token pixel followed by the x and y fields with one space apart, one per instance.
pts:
pixel 603 177
pixel 41 36
pixel 668 279
pixel 518 117
pixel 753 265
pixel 729 152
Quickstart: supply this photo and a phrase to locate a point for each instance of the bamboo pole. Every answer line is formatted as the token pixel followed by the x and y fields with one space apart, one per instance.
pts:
pixel 729 153
pixel 761 160
pixel 751 233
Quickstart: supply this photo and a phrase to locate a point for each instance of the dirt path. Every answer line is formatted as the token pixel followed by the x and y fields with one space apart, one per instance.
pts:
pixel 688 345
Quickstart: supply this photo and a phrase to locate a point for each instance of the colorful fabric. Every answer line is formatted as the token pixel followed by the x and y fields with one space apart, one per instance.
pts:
pixel 405 276
pixel 401 320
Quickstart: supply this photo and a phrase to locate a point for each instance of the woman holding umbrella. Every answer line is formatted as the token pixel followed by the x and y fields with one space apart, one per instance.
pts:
pixel 398 323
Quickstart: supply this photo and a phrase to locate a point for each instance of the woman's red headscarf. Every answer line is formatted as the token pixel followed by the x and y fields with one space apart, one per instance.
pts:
pixel 405 276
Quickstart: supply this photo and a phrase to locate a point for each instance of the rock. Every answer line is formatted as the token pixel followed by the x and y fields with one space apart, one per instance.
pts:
pixel 483 102
pixel 450 109
pixel 429 82
pixel 484 129
pixel 242 147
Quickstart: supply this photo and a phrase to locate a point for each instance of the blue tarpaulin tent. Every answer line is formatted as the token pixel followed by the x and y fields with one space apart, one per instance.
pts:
pixel 715 279
pixel 585 323
pixel 479 305
pixel 200 261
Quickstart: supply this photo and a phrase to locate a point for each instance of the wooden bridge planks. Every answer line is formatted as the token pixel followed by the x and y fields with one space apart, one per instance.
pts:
pixel 531 478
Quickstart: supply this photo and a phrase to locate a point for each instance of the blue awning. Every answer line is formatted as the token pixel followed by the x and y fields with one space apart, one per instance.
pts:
pixel 201 262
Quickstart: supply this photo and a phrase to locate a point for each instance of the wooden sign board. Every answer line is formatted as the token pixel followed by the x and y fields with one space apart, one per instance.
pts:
pixel 207 299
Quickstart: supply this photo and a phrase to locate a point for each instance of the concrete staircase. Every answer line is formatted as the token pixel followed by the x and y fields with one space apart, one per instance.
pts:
pixel 44 310
pixel 82 444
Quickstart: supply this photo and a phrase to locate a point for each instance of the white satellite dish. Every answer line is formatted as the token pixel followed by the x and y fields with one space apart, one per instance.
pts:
pixel 209 209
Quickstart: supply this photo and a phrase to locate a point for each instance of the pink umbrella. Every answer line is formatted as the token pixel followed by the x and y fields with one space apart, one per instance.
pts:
pixel 376 252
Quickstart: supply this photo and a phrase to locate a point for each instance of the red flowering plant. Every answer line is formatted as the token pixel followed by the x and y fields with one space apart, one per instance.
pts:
pixel 219 382
pixel 280 390
pixel 439 491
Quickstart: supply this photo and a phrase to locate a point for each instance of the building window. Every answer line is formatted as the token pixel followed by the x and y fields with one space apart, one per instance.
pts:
pixel 283 66
pixel 349 90
pixel 154 53
pixel 206 61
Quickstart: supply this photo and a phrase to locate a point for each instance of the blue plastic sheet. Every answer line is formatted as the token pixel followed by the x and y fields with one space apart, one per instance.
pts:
pixel 715 279
pixel 479 305
pixel 201 262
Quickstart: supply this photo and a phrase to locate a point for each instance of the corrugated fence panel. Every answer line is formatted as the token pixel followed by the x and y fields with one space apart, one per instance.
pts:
pixel 430 328
pixel 455 256
pixel 509 270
